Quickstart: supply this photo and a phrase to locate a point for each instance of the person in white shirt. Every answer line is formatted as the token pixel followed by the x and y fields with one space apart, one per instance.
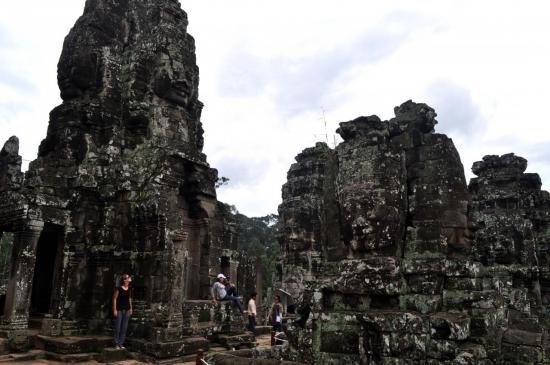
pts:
pixel 220 294
pixel 252 312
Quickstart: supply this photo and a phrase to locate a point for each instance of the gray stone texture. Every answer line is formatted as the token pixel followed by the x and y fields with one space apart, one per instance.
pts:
pixel 391 259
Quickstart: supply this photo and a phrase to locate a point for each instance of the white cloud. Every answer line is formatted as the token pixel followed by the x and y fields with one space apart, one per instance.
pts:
pixel 268 68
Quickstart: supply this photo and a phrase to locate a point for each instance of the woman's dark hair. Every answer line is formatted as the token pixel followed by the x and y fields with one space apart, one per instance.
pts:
pixel 253 295
pixel 124 277
pixel 278 297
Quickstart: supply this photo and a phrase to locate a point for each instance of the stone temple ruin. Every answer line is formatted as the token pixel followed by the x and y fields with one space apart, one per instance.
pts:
pixel 391 259
pixel 120 184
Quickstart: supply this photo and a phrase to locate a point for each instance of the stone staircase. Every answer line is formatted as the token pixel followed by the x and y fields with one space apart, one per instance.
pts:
pixel 74 349
pixel 3 347
pixel 211 328
pixel 95 349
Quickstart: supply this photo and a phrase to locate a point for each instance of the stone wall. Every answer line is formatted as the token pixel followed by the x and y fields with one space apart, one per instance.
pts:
pixel 392 259
pixel 512 218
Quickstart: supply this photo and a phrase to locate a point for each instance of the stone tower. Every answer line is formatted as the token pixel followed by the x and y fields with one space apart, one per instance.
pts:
pixel 389 257
pixel 120 183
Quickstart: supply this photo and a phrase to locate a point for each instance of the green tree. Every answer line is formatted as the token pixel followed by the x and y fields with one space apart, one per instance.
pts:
pixel 258 237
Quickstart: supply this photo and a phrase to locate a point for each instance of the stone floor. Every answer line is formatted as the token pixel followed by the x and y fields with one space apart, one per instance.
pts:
pixel 34 357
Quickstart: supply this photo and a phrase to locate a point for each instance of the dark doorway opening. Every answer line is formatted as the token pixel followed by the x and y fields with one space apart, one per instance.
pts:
pixel 48 259
pixel 6 246
pixel 193 261
pixel 197 284
pixel 225 265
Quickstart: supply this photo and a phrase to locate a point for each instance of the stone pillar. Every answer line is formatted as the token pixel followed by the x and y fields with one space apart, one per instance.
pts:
pixel 166 336
pixel 18 293
pixel 233 269
pixel 259 286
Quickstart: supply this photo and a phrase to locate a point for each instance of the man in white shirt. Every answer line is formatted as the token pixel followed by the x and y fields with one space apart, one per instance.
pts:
pixel 220 294
pixel 252 312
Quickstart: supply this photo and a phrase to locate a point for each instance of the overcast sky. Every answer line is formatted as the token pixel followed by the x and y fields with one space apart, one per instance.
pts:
pixel 270 68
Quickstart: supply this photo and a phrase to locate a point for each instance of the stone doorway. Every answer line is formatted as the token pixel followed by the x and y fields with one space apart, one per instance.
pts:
pixel 225 265
pixel 192 284
pixel 6 246
pixel 197 282
pixel 49 253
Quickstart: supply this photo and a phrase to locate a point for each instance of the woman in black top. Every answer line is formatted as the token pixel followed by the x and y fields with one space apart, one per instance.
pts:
pixel 122 310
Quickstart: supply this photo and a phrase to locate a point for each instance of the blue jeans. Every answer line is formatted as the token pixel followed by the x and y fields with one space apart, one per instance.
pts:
pixel 235 300
pixel 121 325
pixel 232 291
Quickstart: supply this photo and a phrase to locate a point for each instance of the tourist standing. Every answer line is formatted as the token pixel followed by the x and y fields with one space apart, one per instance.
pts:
pixel 276 314
pixel 219 293
pixel 122 310
pixel 252 312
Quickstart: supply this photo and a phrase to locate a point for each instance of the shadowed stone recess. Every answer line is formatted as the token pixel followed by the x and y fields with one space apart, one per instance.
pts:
pixel 389 258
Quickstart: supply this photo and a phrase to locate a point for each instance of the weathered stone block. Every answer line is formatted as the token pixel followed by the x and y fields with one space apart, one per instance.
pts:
pixel 418 247
pixel 410 345
pixel 463 268
pixel 340 342
pixel 74 345
pixel 395 321
pixel 73 358
pixel 487 323
pixel 423 265
pixel 428 284
pixel 18 340
pixel 479 351
pixel 487 299
pixel 519 337
pixel 441 349
pixel 521 355
pixel 112 354
pixel 166 350
pixel 464 358
pixel 51 327
pixel 235 341
pixel 421 303
pixel 375 275
pixel 3 346
pixel 338 302
pixel 199 318
pixel 467 284
pixel 451 326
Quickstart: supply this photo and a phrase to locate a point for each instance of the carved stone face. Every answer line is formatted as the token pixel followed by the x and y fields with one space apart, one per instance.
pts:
pixel 79 73
pixel 376 229
pixel 174 84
